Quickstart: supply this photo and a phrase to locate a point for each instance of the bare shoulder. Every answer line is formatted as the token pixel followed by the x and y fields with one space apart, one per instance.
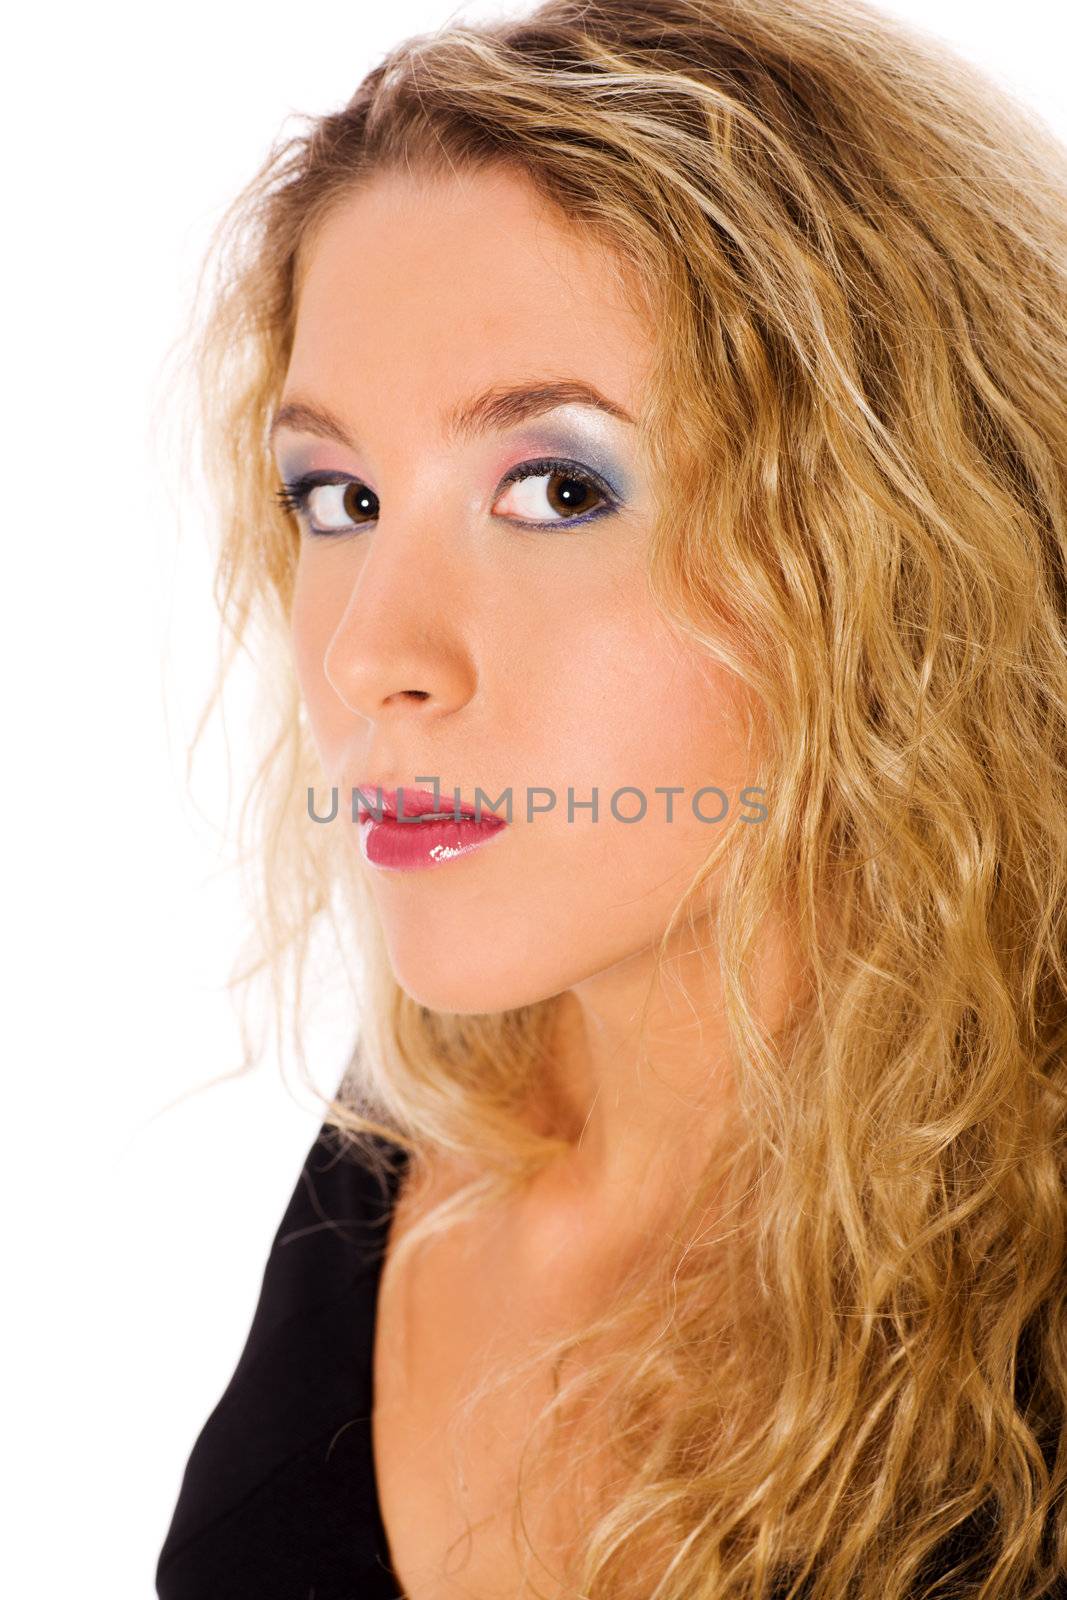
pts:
pixel 432 1177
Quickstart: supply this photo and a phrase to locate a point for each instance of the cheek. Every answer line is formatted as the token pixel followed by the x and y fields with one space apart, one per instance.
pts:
pixel 313 620
pixel 621 700
pixel 635 709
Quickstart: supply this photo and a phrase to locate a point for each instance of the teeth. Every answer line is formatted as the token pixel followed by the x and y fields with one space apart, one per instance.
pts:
pixel 445 816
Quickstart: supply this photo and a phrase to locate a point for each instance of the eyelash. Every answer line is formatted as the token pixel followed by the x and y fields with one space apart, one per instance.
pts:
pixel 293 497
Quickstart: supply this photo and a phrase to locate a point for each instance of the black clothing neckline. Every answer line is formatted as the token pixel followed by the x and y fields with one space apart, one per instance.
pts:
pixel 279 1497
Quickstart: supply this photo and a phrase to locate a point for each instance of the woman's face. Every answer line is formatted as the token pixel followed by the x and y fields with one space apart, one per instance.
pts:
pixel 494 635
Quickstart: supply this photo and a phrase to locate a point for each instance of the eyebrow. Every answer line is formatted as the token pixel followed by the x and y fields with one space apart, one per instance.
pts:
pixel 502 406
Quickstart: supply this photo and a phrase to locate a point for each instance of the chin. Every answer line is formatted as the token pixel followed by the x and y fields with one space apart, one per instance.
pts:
pixel 465 993
pixel 465 981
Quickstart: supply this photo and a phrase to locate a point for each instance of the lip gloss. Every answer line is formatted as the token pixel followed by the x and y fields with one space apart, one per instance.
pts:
pixel 423 839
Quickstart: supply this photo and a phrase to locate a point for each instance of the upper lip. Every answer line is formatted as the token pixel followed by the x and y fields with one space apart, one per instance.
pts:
pixel 417 802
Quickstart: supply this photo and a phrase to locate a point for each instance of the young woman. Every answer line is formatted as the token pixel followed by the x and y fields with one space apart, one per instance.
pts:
pixel 640 430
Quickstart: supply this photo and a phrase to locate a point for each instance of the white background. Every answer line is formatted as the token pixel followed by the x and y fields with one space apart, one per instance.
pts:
pixel 136 1234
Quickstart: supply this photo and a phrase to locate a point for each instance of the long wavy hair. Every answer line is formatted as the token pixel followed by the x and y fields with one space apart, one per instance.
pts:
pixel 853 249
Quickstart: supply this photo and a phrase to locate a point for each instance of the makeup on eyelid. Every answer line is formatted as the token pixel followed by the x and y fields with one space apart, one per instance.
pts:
pixel 586 442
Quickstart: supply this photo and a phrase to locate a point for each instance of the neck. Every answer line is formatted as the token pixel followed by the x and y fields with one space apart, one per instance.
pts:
pixel 639 1097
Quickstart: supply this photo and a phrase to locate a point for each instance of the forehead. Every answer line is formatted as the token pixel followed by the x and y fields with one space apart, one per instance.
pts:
pixel 417 283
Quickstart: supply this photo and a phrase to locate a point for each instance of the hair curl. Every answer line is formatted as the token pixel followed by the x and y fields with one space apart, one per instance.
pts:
pixel 854 250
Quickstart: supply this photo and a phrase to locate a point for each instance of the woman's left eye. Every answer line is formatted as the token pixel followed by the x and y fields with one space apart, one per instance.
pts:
pixel 553 491
pixel 537 494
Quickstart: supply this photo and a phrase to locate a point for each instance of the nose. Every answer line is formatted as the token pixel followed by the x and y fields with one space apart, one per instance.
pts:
pixel 403 641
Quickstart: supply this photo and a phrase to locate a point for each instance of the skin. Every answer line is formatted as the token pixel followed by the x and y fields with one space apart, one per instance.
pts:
pixel 442 638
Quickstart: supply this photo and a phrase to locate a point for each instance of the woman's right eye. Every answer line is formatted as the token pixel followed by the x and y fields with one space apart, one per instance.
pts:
pixel 329 507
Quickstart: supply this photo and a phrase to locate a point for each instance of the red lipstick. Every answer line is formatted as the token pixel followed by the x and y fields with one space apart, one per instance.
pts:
pixel 405 830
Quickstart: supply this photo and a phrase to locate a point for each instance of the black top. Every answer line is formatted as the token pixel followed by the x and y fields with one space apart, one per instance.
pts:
pixel 279 1498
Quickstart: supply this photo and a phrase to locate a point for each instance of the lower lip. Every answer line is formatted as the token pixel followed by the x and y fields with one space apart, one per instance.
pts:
pixel 412 846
